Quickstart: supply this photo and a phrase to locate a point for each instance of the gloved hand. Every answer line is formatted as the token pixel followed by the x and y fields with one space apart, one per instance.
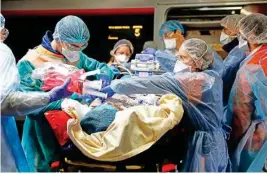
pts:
pixel 108 91
pixel 149 51
pixel 60 92
pixel 115 69
pixel 105 80
pixel 88 98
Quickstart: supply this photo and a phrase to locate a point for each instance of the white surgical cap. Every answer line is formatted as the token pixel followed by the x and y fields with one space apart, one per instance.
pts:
pixel 121 43
pixel 231 22
pixel 254 28
pixel 199 51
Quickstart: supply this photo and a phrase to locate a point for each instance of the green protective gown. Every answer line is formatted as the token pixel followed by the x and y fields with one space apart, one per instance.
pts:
pixel 38 140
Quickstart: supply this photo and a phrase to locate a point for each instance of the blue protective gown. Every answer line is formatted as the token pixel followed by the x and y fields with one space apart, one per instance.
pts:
pixel 247 110
pixel 167 61
pixel 231 65
pixel 201 93
pixel 13 158
pixel 38 139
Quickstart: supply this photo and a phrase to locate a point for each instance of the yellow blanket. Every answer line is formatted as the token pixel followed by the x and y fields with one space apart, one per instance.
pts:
pixel 133 131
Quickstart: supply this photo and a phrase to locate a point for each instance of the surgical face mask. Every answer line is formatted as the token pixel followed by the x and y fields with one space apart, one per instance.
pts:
pixel 181 67
pixel 122 58
pixel 70 55
pixel 170 43
pixel 225 38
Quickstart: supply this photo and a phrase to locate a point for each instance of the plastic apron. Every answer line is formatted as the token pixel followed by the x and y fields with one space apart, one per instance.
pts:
pixel 12 155
pixel 247 110
pixel 231 66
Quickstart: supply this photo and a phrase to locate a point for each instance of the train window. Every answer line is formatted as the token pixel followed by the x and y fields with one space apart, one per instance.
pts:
pixel 26 32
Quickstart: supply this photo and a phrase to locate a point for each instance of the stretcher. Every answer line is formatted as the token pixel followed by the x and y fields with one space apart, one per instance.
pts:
pixel 165 152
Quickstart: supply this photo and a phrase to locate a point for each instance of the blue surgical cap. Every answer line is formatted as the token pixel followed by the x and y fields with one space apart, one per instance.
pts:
pixel 169 26
pixel 2 21
pixel 71 29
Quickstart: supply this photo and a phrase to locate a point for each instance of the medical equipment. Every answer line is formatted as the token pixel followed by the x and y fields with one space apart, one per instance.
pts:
pixel 144 65
pixel 90 73
pixel 94 93
pixel 96 84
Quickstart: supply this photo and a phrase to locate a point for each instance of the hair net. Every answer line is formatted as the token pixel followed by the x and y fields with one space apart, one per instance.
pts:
pixel 199 51
pixel 230 22
pixel 171 25
pixel 254 28
pixel 71 29
pixel 121 43
pixel 2 21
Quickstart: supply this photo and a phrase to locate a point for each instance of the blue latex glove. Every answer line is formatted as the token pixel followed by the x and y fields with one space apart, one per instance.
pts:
pixel 105 80
pixel 108 91
pixel 88 98
pixel 149 51
pixel 60 92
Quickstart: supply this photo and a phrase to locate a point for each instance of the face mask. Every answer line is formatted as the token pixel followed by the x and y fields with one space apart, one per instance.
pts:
pixel 122 58
pixel 72 56
pixel 243 44
pixel 181 67
pixel 225 38
pixel 170 43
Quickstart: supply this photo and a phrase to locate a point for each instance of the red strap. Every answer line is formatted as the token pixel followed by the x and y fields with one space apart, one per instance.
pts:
pixel 55 164
pixel 258 59
pixel 168 167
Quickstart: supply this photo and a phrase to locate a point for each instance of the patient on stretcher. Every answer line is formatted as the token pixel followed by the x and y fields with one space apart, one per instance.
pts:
pixel 114 130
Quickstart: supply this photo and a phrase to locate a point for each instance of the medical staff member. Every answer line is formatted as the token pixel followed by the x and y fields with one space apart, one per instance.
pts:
pixel 200 89
pixel 230 32
pixel 17 103
pixel 70 37
pixel 247 107
pixel 120 56
pixel 173 35
pixel 236 55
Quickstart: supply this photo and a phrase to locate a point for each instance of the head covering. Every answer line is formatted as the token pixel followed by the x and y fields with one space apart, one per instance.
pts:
pixel 230 22
pixel 2 21
pixel 121 43
pixel 199 51
pixel 254 28
pixel 71 29
pixel 169 26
